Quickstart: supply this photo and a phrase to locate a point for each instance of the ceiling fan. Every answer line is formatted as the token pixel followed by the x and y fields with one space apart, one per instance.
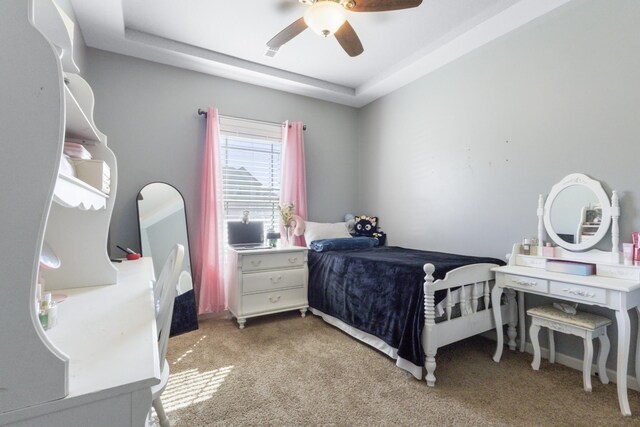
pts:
pixel 329 17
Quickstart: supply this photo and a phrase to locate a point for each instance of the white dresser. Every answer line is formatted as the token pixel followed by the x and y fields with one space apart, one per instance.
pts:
pixel 266 281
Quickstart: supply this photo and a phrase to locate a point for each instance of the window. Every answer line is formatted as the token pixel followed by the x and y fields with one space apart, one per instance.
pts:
pixel 251 154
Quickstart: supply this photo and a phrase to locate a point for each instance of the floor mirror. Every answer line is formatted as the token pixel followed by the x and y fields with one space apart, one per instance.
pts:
pixel 163 223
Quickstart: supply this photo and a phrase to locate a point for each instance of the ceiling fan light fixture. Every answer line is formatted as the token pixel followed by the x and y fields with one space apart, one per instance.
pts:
pixel 325 17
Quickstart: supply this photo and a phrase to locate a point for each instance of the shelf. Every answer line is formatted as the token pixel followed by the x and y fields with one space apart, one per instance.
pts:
pixel 70 192
pixel 78 126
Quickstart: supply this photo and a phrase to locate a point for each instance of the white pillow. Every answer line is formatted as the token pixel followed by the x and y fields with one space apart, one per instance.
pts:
pixel 324 230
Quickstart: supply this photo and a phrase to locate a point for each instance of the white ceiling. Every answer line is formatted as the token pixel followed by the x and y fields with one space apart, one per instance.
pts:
pixel 228 38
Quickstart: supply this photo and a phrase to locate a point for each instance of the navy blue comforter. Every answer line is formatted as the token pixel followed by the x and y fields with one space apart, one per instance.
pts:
pixel 380 291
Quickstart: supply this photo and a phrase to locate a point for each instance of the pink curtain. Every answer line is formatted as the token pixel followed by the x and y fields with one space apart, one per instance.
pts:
pixel 293 183
pixel 209 274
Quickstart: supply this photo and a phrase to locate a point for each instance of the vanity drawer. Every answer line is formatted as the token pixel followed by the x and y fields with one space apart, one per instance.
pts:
pixel 529 283
pixel 579 292
pixel 273 260
pixel 274 301
pixel 270 280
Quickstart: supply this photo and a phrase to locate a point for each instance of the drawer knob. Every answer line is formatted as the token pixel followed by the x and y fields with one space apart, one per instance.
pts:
pixel 275 279
pixel 255 262
pixel 293 259
pixel 525 283
pixel 579 292
pixel 274 299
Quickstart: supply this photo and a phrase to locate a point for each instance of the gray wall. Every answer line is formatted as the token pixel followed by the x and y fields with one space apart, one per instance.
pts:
pixel 149 113
pixel 455 161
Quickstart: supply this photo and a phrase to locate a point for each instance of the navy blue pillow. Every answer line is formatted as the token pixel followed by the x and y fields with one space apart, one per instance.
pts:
pixel 343 243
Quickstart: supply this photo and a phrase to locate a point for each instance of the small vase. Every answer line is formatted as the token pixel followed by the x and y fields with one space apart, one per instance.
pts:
pixel 286 240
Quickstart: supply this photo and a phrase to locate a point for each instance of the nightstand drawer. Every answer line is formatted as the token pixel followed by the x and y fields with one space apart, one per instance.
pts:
pixel 579 292
pixel 529 283
pixel 274 301
pixel 273 260
pixel 270 280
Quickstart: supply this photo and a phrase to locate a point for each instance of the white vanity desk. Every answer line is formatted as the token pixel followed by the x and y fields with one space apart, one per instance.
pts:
pixel 109 334
pixel 614 286
pixel 617 294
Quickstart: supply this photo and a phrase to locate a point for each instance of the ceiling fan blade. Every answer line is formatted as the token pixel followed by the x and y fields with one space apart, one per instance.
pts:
pixel 287 34
pixel 349 40
pixel 381 5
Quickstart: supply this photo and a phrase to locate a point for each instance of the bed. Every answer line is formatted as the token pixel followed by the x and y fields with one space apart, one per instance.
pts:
pixel 406 303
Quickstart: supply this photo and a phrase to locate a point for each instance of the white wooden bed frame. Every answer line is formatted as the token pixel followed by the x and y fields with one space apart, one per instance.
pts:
pixel 470 283
pixel 475 281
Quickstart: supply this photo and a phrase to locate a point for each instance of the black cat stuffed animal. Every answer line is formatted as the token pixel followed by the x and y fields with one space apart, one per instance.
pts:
pixel 368 226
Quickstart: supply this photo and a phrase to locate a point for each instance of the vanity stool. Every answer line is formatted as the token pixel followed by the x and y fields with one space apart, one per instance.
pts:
pixel 585 325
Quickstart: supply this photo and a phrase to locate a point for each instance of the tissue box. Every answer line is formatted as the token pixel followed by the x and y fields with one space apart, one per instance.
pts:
pixel 571 267
pixel 96 173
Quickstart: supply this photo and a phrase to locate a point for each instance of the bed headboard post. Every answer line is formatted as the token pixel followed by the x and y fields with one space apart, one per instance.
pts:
pixel 430 347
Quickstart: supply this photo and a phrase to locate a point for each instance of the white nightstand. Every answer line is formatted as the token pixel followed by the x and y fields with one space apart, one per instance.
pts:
pixel 266 281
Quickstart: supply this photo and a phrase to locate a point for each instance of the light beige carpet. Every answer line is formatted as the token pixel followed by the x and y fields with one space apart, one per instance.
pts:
pixel 285 370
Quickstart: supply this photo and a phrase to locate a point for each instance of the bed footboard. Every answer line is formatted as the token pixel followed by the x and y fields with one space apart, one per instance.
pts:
pixel 473 283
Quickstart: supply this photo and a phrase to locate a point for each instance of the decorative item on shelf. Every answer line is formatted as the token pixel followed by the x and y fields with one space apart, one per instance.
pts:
pixel 286 215
pixel 526 246
pixel 548 250
pixel 245 217
pixel 292 223
pixel 272 238
pixel 635 252
pixel 48 313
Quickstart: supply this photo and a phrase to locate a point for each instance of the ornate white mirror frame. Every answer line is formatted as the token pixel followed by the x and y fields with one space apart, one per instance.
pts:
pixel 610 214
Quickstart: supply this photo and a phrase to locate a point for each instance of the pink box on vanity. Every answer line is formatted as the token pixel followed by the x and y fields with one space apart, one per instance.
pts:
pixel 571 267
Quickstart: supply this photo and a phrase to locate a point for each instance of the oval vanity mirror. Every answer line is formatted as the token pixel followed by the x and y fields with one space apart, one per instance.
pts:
pixel 163 223
pixel 577 213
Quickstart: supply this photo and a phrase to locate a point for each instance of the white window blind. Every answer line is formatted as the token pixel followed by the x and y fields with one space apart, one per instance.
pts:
pixel 250 157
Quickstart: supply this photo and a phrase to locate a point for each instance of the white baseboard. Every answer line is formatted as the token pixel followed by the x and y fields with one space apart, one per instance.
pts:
pixel 221 315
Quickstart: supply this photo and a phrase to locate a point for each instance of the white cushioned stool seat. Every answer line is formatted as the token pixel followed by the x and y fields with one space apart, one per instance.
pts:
pixel 580 319
pixel 585 325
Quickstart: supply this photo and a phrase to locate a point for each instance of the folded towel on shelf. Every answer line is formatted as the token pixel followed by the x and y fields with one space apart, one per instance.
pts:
pixel 76 151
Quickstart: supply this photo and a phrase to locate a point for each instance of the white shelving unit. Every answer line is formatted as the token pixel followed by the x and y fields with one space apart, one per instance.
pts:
pixel 79 127
pixel 71 192
pixel 97 365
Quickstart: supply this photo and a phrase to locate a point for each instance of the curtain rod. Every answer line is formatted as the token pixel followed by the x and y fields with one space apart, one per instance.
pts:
pixel 201 112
